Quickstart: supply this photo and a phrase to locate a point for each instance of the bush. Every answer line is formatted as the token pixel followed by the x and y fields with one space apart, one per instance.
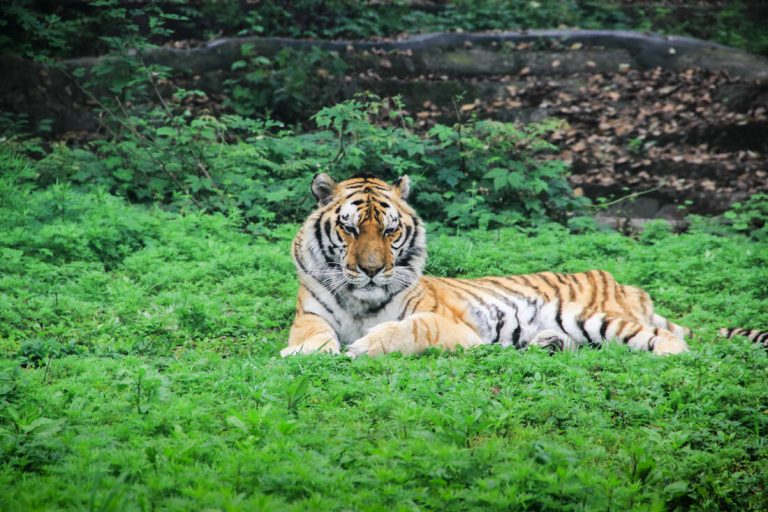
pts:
pixel 476 173
pixel 60 225
pixel 750 217
pixel 288 84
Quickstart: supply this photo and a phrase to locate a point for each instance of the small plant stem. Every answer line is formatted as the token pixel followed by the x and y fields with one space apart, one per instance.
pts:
pixel 629 196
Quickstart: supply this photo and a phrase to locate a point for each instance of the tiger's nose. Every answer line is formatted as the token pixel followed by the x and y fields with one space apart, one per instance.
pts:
pixel 371 270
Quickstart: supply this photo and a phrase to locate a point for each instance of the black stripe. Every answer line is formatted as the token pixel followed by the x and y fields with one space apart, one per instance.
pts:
pixel 325 306
pixel 298 259
pixel 580 323
pixel 532 286
pixel 408 303
pixel 555 289
pixel 604 328
pixel 318 232
pixel 408 232
pixel 367 187
pixel 495 293
pixel 319 237
pixel 566 282
pixel 408 256
pixel 517 331
pixel 576 281
pixel 628 339
pixel 415 232
pixel 606 287
pixel 536 308
pixel 456 282
pixel 592 285
pixel 559 316
pixel 494 281
pixel 499 324
pixel 375 309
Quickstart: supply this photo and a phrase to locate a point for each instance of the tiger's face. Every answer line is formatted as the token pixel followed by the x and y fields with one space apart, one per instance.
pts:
pixel 371 242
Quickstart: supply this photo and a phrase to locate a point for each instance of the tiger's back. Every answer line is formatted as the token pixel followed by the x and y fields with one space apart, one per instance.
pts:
pixel 586 307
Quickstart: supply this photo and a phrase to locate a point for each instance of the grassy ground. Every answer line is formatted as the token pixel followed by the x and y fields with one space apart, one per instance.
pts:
pixel 139 371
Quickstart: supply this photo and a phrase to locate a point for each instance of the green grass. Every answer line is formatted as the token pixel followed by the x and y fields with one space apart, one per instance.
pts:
pixel 139 370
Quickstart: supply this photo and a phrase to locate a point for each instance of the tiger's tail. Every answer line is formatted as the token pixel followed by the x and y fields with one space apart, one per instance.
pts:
pixel 754 335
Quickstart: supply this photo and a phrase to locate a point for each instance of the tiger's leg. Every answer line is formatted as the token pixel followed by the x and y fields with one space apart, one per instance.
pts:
pixel 676 330
pixel 310 334
pixel 415 334
pixel 554 341
pixel 642 306
pixel 635 335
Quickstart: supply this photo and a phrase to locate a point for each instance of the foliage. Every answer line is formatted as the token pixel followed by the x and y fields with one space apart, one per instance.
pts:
pixel 750 217
pixel 38 29
pixel 495 175
pixel 43 30
pixel 289 83
pixel 479 173
pixel 171 394
pixel 37 353
pixel 125 82
pixel 737 24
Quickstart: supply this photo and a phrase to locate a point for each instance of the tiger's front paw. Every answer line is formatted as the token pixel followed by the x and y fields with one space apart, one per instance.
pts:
pixel 312 346
pixel 358 348
pixel 553 341
pixel 382 339
pixel 666 344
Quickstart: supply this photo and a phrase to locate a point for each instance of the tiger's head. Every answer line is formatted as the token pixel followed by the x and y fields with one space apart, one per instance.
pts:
pixel 363 239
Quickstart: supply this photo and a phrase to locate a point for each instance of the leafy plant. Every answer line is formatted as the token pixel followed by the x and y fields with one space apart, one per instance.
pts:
pixel 144 387
pixel 37 353
pixel 296 392
pixel 475 173
pixel 750 217
pixel 29 442
pixel 285 85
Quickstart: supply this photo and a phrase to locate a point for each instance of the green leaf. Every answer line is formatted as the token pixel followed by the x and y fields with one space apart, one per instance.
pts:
pixel 166 131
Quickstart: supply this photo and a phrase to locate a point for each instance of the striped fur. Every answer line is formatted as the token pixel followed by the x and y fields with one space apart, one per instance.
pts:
pixel 754 335
pixel 360 257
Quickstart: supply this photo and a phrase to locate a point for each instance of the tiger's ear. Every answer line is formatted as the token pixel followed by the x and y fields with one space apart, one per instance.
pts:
pixel 402 186
pixel 324 188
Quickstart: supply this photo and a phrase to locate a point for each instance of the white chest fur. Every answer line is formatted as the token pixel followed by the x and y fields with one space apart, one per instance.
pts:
pixel 352 315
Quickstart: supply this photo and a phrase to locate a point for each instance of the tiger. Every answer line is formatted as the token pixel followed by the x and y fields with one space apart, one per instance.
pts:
pixel 360 258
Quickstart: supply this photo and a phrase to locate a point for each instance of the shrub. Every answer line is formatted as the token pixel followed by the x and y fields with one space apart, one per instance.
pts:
pixel 750 217
pixel 286 85
pixel 476 173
